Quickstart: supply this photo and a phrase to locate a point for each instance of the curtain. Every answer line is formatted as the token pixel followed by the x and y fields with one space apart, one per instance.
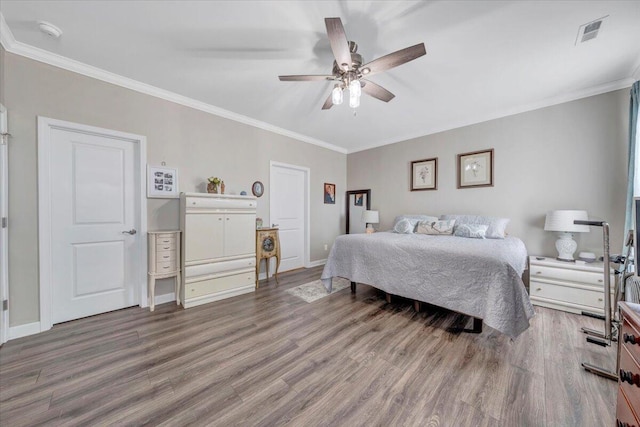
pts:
pixel 633 127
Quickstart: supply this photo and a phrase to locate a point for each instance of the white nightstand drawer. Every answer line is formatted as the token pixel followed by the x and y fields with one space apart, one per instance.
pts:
pixel 566 293
pixel 171 246
pixel 586 277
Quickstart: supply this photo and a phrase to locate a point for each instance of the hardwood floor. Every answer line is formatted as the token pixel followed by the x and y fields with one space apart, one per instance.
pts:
pixel 270 358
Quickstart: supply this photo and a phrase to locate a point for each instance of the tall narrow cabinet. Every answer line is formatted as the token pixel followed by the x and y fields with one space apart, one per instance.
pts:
pixel 218 244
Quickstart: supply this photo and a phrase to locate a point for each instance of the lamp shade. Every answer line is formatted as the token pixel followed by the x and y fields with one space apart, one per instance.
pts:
pixel 563 221
pixel 370 217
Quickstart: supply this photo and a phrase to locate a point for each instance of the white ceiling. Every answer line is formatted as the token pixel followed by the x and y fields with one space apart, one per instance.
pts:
pixel 485 59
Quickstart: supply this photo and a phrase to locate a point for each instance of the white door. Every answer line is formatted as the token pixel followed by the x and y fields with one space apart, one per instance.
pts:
pixel 93 187
pixel 4 212
pixel 288 201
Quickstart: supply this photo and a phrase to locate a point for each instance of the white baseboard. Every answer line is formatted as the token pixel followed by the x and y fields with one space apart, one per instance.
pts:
pixel 317 263
pixel 24 330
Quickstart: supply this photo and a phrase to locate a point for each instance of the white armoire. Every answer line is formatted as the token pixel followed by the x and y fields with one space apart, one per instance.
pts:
pixel 218 246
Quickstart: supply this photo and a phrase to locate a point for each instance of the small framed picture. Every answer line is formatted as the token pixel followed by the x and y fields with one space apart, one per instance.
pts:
pixel 475 169
pixel 329 193
pixel 358 199
pixel 424 174
pixel 162 182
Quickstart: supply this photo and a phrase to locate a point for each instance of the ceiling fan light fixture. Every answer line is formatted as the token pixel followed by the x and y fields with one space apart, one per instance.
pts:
pixel 366 70
pixel 355 91
pixel 336 95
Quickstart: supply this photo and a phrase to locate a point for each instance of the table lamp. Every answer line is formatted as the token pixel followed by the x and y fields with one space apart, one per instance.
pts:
pixel 562 222
pixel 370 217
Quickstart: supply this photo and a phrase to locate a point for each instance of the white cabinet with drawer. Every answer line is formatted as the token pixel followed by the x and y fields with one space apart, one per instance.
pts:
pixel 163 260
pixel 218 241
pixel 567 286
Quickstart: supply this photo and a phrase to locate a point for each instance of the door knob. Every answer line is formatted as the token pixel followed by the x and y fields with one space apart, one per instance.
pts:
pixel 131 232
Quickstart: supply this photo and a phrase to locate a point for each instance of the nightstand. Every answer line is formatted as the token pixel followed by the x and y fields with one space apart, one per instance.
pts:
pixel 267 246
pixel 163 261
pixel 568 286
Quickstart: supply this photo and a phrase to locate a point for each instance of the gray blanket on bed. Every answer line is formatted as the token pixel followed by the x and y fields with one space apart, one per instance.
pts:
pixel 477 277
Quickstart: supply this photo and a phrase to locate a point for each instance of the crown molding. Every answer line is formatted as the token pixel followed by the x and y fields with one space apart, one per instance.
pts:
pixel 11 45
pixel 480 118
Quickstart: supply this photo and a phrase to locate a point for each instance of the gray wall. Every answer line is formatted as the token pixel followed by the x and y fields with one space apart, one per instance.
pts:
pixel 569 156
pixel 197 143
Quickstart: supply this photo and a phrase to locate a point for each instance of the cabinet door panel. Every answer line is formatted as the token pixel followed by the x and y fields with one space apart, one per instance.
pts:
pixel 240 234
pixel 204 236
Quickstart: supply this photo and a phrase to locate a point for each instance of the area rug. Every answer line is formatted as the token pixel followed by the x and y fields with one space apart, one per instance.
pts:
pixel 315 290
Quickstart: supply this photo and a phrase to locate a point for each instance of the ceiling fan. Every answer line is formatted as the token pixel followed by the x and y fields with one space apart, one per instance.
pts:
pixel 349 72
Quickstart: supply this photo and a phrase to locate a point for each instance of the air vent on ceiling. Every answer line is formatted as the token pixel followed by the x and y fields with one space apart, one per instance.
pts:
pixel 590 30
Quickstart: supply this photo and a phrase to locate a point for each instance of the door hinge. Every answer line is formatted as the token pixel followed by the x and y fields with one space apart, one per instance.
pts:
pixel 4 222
pixel 5 305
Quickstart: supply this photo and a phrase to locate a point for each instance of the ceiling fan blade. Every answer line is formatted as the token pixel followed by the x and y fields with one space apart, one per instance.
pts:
pixel 339 43
pixel 377 91
pixel 394 59
pixel 328 103
pixel 307 78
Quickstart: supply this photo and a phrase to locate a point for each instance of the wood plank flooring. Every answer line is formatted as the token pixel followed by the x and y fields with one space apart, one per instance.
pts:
pixel 270 358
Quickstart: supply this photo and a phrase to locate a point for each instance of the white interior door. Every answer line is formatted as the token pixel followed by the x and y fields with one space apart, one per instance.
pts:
pixel 4 237
pixel 288 208
pixel 95 230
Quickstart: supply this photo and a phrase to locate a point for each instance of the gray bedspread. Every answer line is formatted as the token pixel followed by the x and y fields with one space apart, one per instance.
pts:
pixel 477 277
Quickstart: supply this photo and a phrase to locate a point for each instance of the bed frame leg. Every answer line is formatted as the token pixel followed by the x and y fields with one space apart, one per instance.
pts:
pixel 353 287
pixel 416 306
pixel 477 327
pixel 388 297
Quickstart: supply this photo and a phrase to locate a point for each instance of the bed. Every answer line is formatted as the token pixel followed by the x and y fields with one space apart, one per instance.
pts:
pixel 477 277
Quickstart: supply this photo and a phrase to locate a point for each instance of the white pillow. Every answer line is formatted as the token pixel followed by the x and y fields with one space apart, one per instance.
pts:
pixel 474 231
pixel 404 226
pixel 496 226
pixel 414 219
pixel 435 227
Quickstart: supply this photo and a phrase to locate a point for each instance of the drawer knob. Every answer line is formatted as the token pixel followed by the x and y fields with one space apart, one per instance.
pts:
pixel 630 377
pixel 538 272
pixel 630 338
pixel 600 280
pixel 599 299
pixel 622 424
pixel 538 290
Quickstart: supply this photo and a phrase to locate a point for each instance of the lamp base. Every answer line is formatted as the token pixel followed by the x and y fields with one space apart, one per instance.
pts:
pixel 370 229
pixel 566 247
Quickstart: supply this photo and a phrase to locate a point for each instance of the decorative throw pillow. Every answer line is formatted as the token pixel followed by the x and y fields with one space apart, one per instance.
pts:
pixel 403 226
pixel 496 226
pixel 413 219
pixel 474 231
pixel 435 227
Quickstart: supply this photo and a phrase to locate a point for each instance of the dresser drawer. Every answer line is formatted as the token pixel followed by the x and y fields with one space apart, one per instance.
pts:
pixel 630 335
pixel 567 274
pixel 166 267
pixel 170 246
pixel 166 256
pixel 567 293
pixel 629 368
pixel 220 284
pixel 624 414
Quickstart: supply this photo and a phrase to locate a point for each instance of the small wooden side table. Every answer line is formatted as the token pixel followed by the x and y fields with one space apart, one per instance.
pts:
pixel 163 261
pixel 267 246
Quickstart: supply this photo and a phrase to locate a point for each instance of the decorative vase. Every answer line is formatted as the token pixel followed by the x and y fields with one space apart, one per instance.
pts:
pixel 212 188
pixel 222 187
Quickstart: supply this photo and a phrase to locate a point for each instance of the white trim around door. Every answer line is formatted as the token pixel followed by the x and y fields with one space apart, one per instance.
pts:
pixel 4 232
pixel 45 127
pixel 307 204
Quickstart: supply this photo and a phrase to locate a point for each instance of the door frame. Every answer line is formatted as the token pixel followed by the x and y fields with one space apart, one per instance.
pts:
pixel 45 126
pixel 4 231
pixel 307 204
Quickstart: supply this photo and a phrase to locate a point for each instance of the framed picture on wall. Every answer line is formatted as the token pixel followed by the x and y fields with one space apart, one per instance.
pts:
pixel 475 169
pixel 162 182
pixel 329 193
pixel 358 199
pixel 424 174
